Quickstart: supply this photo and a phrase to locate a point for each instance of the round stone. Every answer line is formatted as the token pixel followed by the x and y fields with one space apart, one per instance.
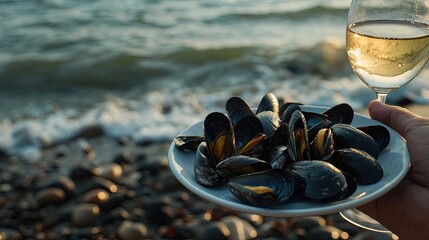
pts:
pixel 132 231
pixel 85 214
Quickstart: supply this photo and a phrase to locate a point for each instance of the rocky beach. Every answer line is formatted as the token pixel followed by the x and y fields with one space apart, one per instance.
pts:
pixel 93 93
pixel 98 187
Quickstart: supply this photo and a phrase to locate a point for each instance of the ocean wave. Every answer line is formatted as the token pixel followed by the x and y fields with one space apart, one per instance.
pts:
pixel 161 114
pixel 125 69
pixel 314 12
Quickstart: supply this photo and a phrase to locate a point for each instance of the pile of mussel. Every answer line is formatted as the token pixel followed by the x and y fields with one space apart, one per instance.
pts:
pixel 280 151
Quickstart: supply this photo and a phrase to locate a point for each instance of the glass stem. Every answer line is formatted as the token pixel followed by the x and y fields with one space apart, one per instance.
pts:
pixel 382 97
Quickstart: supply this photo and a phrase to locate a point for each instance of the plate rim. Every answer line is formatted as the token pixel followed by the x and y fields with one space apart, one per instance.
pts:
pixel 328 208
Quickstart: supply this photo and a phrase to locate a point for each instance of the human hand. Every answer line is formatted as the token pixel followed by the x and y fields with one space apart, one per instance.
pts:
pixel 405 209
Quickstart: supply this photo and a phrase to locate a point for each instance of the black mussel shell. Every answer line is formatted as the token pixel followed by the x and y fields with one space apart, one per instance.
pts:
pixel 236 109
pixel 341 113
pixel 205 169
pixel 188 142
pixel 358 164
pixel 322 147
pixel 219 135
pixel 239 165
pixel 280 136
pixel 263 189
pixel 278 157
pixel 270 121
pixel 380 134
pixel 348 136
pixel 315 122
pixel 286 111
pixel 298 138
pixel 255 147
pixel 319 180
pixel 268 103
pixel 247 129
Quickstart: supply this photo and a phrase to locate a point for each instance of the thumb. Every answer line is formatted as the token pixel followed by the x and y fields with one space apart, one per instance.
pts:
pixel 400 119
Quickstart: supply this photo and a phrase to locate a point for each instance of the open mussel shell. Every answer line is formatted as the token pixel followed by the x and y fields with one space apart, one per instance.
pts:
pixel 255 147
pixel 268 103
pixel 319 180
pixel 204 168
pixel 219 136
pixel 188 142
pixel 322 147
pixel 341 113
pixel 380 134
pixel 286 111
pixel 358 164
pixel 298 138
pixel 263 189
pixel 315 122
pixel 348 136
pixel 245 130
pixel 239 165
pixel 236 109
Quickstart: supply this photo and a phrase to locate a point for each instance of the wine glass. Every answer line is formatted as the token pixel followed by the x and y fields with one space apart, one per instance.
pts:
pixel 387 42
pixel 388 46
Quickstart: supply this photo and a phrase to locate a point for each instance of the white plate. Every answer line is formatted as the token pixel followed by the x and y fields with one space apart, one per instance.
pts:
pixel 394 160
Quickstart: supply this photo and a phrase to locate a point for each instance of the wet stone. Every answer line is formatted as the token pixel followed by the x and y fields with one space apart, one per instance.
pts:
pixel 85 214
pixel 115 200
pixel 51 195
pixel 62 182
pixel 308 223
pixel 274 228
pixel 187 229
pixel 98 183
pixel 215 231
pixel 97 196
pixel 239 228
pixel 161 216
pixel 10 234
pixel 124 158
pixel 81 173
pixel 327 233
pixel 132 231
pixel 111 171
pixel 91 132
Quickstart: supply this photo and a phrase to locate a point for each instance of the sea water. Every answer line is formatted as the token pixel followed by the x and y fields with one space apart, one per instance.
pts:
pixel 146 69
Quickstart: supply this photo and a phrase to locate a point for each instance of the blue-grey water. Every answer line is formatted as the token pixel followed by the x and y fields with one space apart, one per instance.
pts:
pixel 149 68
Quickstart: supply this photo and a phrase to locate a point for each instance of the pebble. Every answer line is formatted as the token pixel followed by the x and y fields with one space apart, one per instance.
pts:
pixel 98 183
pixel 124 158
pixel 112 171
pixel 326 233
pixel 97 196
pixel 215 231
pixel 132 231
pixel 10 234
pixel 63 182
pixel 308 223
pixel 239 228
pixel 50 195
pixel 85 214
pixel 131 195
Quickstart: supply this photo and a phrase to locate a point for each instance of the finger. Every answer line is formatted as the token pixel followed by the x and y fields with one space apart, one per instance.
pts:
pixel 396 117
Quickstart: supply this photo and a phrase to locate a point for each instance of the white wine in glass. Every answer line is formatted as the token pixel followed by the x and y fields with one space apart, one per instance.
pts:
pixel 388 46
pixel 387 51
